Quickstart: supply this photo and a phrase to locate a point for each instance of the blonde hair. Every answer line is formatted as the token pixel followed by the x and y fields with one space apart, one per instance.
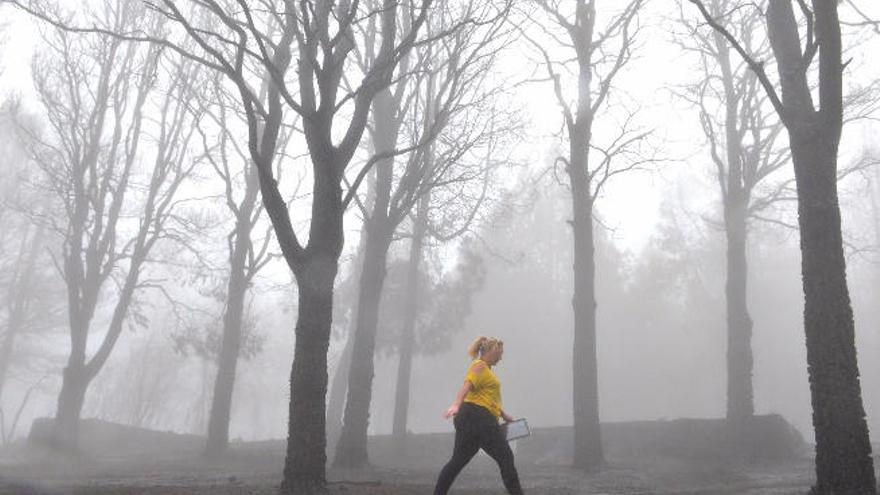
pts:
pixel 481 345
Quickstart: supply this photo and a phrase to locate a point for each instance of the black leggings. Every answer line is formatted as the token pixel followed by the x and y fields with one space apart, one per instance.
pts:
pixel 476 428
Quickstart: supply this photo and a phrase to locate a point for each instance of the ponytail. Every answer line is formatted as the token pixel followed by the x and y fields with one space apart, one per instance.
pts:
pixel 481 345
pixel 477 347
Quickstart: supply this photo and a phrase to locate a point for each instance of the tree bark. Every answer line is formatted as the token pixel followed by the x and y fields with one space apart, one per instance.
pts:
pixel 843 450
pixel 407 333
pixel 74 383
pixel 740 402
pixel 588 452
pixel 305 462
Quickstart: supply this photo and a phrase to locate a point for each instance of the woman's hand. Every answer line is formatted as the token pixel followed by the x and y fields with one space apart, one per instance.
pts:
pixel 459 398
pixel 506 417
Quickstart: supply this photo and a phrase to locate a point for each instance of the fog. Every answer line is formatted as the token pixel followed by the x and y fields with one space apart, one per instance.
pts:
pixel 258 257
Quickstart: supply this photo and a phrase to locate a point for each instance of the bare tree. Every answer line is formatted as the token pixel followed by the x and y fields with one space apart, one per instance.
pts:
pixel 31 302
pixel 23 243
pixel 322 35
pixel 410 313
pixel 245 259
pixel 445 214
pixel 428 324
pixel 742 141
pixel 598 53
pixel 410 116
pixel 843 449
pixel 95 93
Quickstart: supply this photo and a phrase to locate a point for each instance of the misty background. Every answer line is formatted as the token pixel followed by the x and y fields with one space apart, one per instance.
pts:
pixel 660 274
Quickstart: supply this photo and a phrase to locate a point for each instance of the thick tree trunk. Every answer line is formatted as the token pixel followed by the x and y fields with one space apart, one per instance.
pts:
pixel 221 405
pixel 740 403
pixel 351 451
pixel 79 373
pixel 305 463
pixel 315 267
pixel 585 380
pixel 407 333
pixel 75 378
pixel 75 382
pixel 843 450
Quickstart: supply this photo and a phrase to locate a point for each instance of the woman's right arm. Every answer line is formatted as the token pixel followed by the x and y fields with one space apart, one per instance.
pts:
pixel 459 398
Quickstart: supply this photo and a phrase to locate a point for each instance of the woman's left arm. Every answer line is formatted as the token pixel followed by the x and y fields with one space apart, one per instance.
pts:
pixel 506 417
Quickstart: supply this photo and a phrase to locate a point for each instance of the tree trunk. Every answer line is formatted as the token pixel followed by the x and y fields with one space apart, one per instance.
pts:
pixel 736 193
pixel 843 450
pixel 351 450
pixel 339 389
pixel 407 333
pixel 305 463
pixel 585 381
pixel 75 382
pixel 740 402
pixel 6 347
pixel 79 373
pixel 221 406
pixel 75 378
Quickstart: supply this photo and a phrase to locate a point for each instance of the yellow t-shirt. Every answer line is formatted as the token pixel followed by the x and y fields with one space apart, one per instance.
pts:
pixel 485 388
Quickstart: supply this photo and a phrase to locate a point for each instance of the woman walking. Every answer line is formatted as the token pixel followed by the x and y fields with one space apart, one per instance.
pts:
pixel 476 409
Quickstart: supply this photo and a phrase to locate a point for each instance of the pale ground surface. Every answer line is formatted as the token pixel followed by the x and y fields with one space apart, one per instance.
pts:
pixel 260 474
pixel 126 461
pixel 185 480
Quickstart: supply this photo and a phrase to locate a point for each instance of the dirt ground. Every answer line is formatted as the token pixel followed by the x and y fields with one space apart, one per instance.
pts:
pixel 643 458
pixel 254 476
